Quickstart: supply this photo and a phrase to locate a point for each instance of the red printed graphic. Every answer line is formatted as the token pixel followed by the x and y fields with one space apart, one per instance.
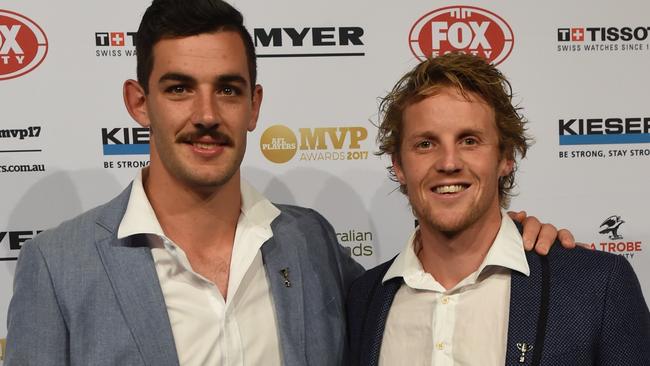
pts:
pixel 23 45
pixel 462 29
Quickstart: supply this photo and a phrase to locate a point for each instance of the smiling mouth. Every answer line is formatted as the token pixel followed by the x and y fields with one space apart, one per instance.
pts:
pixel 205 145
pixel 449 189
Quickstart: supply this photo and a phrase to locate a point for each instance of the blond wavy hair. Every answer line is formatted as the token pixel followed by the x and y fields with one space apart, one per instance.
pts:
pixel 466 73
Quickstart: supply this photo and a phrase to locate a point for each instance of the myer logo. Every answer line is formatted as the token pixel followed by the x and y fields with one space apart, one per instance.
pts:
pixel 279 144
pixel 614 130
pixel 13 240
pixel 465 29
pixel 330 41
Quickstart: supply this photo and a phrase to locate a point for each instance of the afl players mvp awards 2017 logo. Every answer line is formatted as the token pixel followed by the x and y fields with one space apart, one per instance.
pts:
pixel 279 144
pixel 462 28
pixel 23 45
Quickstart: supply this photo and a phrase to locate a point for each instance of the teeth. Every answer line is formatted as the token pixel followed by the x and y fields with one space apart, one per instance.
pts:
pixel 455 188
pixel 202 145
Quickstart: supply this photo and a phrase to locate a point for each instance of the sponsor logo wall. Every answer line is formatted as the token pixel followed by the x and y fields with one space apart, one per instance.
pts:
pixel 579 70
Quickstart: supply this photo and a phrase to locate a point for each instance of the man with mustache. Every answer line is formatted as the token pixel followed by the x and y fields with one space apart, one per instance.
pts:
pixel 189 265
pixel 463 291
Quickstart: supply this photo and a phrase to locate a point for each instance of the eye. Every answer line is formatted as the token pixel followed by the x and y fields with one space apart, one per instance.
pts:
pixel 229 91
pixel 470 141
pixel 424 145
pixel 176 89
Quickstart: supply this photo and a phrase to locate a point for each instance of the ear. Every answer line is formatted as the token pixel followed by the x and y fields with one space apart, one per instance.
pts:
pixel 258 94
pixel 135 100
pixel 506 166
pixel 397 168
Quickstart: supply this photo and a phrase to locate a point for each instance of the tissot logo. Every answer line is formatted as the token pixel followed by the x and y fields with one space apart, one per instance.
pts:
pixel 613 130
pixel 115 44
pixel 602 34
pixel 328 41
pixel 114 39
pixel 125 141
pixel 603 39
pixel 23 45
pixel 462 29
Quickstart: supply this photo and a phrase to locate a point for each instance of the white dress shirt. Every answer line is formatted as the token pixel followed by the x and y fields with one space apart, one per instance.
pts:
pixel 465 325
pixel 207 329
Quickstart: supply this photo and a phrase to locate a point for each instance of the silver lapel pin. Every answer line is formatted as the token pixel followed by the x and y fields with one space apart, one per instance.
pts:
pixel 285 274
pixel 523 348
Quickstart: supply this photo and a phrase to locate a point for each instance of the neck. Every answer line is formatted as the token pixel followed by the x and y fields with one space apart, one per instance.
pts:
pixel 194 217
pixel 452 256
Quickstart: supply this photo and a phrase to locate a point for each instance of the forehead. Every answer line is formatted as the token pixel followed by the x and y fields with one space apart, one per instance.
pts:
pixel 202 55
pixel 449 110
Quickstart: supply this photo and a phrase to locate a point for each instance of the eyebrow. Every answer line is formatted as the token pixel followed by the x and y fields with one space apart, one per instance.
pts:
pixel 231 78
pixel 174 76
pixel 221 79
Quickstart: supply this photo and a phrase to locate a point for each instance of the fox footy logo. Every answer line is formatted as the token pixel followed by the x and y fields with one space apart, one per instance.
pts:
pixel 23 45
pixel 465 29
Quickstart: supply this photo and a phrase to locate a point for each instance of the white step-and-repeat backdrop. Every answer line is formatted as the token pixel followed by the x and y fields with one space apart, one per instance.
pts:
pixel 579 68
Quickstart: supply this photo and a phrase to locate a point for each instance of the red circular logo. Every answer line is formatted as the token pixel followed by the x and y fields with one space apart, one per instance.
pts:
pixel 462 29
pixel 23 45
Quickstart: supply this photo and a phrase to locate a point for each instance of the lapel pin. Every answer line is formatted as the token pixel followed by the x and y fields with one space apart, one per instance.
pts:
pixel 285 274
pixel 523 348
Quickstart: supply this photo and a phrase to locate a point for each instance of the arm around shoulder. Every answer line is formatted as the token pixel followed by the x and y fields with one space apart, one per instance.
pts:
pixel 625 335
pixel 36 330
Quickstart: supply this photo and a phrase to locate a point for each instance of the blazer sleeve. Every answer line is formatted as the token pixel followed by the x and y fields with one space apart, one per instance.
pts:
pixel 36 330
pixel 625 336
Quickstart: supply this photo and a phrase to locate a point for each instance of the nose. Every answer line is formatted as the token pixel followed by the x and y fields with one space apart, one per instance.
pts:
pixel 448 159
pixel 206 112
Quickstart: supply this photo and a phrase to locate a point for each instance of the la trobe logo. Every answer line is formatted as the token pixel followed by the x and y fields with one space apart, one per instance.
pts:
pixel 462 28
pixel 23 45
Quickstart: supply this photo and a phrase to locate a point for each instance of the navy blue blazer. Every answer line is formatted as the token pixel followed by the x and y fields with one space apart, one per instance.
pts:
pixel 577 307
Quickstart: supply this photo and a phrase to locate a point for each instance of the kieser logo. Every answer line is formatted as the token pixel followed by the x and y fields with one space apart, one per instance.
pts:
pixel 279 143
pixel 611 227
pixel 309 42
pixel 602 38
pixel 613 130
pixel 23 45
pixel 125 141
pixel 114 44
pixel 465 29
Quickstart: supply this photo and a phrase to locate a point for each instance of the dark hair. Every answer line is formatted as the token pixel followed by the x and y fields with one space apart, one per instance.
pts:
pixel 466 73
pixel 182 18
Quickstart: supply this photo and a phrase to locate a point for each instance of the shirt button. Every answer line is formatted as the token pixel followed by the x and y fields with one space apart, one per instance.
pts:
pixel 440 346
pixel 445 300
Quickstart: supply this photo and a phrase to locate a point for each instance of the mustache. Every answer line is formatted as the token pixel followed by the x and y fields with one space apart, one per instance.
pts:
pixel 219 137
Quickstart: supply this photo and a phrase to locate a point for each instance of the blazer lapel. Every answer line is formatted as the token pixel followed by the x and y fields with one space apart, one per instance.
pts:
pixel 375 322
pixel 131 271
pixel 525 300
pixel 287 297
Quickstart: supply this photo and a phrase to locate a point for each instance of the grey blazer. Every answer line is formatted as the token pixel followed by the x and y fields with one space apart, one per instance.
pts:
pixel 83 297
